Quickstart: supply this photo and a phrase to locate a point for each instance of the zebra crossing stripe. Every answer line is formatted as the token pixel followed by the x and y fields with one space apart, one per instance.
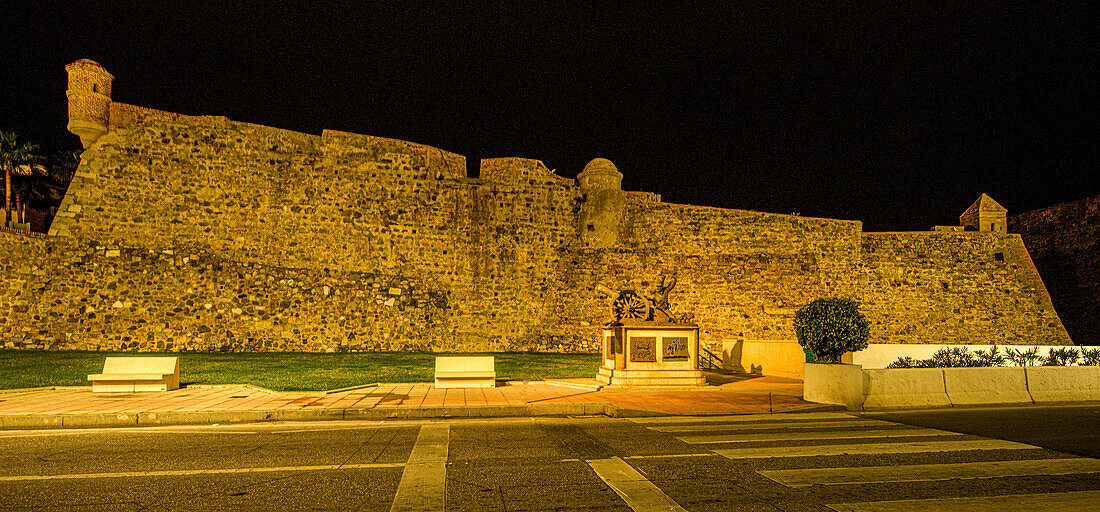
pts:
pixel 870 448
pixel 423 483
pixel 639 493
pixel 742 418
pixel 931 472
pixel 1079 501
pixel 711 427
pixel 814 436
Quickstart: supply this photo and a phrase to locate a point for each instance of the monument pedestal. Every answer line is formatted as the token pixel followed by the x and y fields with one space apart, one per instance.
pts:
pixel 650 354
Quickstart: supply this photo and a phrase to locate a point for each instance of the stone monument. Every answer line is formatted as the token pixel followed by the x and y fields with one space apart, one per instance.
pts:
pixel 645 345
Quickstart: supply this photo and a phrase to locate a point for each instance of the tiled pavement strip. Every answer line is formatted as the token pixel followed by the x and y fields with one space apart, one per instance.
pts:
pixel 78 406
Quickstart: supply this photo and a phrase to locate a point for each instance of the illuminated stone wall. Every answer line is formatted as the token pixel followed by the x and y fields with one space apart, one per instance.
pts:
pixel 201 233
pixel 959 288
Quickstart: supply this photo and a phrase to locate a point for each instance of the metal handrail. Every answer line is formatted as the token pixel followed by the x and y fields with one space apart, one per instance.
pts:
pixel 709 361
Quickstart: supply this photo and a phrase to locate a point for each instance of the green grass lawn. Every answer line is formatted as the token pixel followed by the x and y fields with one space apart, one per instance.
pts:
pixel 283 371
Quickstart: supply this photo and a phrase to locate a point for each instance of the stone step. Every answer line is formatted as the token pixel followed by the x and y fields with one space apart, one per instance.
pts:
pixel 657 381
pixel 647 374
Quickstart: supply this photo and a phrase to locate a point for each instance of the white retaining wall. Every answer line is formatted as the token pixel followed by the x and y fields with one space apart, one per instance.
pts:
pixel 902 388
pixel 976 386
pixel 836 384
pixel 1063 383
pixel 918 387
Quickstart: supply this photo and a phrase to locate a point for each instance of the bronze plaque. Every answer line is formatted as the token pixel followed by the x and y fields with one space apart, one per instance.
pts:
pixel 643 350
pixel 609 347
pixel 675 348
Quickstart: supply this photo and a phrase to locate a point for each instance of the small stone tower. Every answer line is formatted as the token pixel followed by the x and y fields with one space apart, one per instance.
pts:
pixel 89 96
pixel 602 207
pixel 984 215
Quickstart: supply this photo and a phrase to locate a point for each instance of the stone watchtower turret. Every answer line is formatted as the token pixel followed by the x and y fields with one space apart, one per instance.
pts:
pixel 89 96
pixel 602 207
pixel 984 215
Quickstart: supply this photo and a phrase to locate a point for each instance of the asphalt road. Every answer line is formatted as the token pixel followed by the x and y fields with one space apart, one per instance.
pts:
pixel 805 462
pixel 1069 429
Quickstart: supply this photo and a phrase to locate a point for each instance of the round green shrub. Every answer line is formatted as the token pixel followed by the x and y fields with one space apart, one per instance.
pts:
pixel 830 327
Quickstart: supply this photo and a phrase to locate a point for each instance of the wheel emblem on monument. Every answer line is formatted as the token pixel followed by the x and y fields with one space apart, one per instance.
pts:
pixel 630 305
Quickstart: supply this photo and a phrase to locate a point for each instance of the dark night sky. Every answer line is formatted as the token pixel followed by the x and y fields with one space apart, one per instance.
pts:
pixel 894 117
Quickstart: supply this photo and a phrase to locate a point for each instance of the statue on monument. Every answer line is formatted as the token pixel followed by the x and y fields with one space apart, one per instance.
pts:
pixel 629 305
pixel 645 344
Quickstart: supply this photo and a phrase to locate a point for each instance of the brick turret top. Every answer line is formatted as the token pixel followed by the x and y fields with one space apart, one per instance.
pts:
pixel 89 63
pixel 600 173
pixel 600 165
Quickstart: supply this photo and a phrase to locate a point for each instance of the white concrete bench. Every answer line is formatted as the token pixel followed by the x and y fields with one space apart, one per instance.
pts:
pixel 130 374
pixel 465 372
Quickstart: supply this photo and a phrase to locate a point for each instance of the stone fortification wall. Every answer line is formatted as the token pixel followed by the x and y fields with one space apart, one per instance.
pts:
pixel 959 288
pixel 253 237
pixel 201 233
pixel 741 273
pixel 23 276
pixel 1064 240
pixel 744 273
pixel 84 296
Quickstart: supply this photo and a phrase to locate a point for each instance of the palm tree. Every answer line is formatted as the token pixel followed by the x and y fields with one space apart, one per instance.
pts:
pixel 63 166
pixel 27 189
pixel 16 158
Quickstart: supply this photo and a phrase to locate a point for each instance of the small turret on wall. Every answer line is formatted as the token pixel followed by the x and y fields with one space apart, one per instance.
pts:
pixel 602 208
pixel 984 215
pixel 89 94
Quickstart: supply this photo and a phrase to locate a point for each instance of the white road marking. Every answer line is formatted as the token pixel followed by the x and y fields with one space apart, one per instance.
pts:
pixel 240 428
pixel 118 431
pixel 738 418
pixel 187 472
pixel 670 456
pixel 424 482
pixel 870 449
pixel 638 493
pixel 931 472
pixel 259 428
pixel 814 436
pixel 1080 501
pixel 205 429
pixel 326 429
pixel 765 426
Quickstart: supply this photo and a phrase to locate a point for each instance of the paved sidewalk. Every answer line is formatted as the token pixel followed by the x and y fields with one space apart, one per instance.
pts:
pixel 76 407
